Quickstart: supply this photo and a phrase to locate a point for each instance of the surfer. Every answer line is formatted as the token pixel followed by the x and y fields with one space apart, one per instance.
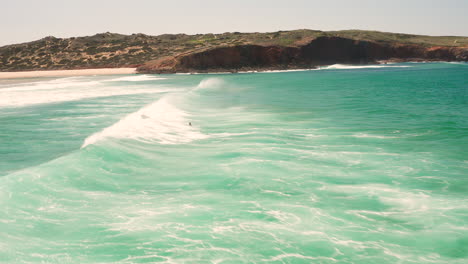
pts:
pixel 190 123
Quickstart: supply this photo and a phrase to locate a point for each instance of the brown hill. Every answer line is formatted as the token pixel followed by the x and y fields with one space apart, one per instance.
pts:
pixel 228 51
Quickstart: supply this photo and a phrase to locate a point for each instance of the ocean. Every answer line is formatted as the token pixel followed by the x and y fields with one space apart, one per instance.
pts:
pixel 342 164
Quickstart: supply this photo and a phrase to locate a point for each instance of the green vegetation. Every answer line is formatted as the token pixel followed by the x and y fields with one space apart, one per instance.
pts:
pixel 402 38
pixel 117 50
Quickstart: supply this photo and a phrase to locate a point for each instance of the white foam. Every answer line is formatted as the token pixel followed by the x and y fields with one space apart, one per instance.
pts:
pixel 313 233
pixel 138 78
pixel 50 85
pixel 403 203
pixel 160 122
pixel 226 134
pixel 277 71
pixel 349 67
pixel 457 62
pixel 285 217
pixel 65 90
pixel 298 256
pixel 276 192
pixel 364 135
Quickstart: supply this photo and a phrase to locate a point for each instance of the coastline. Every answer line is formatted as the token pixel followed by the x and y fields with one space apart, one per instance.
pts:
pixel 376 64
pixel 60 73
pixel 121 71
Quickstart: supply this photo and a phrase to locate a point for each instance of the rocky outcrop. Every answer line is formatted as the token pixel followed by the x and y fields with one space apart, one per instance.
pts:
pixel 319 51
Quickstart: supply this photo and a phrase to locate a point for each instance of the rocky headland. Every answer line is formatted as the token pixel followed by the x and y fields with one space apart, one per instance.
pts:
pixel 229 52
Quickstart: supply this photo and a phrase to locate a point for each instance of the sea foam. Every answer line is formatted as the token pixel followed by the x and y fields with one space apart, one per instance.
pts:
pixel 70 89
pixel 351 67
pixel 160 122
pixel 138 78
pixel 65 90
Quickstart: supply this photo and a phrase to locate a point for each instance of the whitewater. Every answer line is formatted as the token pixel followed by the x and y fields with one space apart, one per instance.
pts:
pixel 340 164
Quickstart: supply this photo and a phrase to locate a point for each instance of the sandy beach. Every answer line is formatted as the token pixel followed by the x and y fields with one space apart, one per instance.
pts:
pixel 58 73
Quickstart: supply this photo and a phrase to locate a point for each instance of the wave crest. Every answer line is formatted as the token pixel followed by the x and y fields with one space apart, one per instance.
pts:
pixel 350 67
pixel 210 83
pixel 160 122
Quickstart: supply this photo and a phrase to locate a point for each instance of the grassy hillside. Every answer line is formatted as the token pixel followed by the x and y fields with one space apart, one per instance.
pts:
pixel 377 36
pixel 117 50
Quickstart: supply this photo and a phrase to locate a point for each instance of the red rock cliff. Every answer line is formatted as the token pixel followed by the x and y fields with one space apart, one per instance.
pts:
pixel 320 51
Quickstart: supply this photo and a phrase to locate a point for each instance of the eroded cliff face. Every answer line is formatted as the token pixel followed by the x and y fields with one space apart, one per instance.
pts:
pixel 242 57
pixel 239 56
pixel 319 51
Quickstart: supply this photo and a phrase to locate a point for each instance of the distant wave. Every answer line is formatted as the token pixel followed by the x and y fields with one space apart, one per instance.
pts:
pixel 457 62
pixel 278 71
pixel 349 67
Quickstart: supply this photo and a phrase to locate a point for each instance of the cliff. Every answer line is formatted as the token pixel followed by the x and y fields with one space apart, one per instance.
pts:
pixel 228 51
pixel 319 51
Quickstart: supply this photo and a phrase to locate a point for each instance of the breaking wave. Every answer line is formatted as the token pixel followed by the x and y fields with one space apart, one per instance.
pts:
pixel 160 122
pixel 350 67
pixel 67 89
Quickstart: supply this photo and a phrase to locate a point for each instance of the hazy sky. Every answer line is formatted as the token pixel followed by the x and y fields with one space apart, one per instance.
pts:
pixel 27 20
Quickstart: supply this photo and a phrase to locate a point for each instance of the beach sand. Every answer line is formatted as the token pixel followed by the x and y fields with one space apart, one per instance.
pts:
pixel 58 73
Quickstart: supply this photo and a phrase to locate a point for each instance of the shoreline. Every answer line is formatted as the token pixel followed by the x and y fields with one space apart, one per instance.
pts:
pixel 273 69
pixel 122 71
pixel 64 73
pixel 337 66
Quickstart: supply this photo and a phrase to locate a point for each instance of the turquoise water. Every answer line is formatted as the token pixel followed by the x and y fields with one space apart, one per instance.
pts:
pixel 337 165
